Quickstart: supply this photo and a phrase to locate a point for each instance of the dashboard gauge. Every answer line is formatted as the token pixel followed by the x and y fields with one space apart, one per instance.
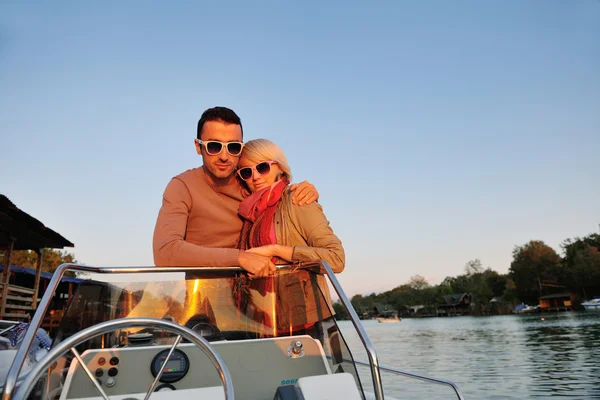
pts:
pixel 175 369
pixel 165 387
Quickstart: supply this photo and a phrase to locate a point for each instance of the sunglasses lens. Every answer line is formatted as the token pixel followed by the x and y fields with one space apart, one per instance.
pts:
pixel 263 168
pixel 234 148
pixel 213 148
pixel 246 173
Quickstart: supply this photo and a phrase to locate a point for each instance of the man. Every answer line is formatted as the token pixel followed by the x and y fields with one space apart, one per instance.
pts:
pixel 198 224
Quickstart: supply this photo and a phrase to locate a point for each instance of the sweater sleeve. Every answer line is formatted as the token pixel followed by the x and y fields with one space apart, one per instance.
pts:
pixel 169 245
pixel 322 243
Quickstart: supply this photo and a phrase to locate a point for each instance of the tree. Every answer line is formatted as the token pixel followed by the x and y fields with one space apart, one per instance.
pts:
pixel 51 259
pixel 444 288
pixel 572 246
pixel 459 284
pixel 340 311
pixel 417 282
pixel 361 303
pixel 510 291
pixel 496 282
pixel 533 263
pixel 581 265
pixel 473 267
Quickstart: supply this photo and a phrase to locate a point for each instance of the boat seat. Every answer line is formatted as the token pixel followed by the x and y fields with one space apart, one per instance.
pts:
pixel 321 387
pixel 325 387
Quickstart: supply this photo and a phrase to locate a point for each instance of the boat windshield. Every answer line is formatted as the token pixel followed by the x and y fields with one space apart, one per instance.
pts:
pixel 219 304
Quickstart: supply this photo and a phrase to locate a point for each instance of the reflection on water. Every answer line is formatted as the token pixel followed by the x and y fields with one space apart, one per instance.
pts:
pixel 503 357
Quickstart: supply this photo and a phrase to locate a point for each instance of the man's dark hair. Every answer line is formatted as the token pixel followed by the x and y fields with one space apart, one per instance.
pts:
pixel 224 114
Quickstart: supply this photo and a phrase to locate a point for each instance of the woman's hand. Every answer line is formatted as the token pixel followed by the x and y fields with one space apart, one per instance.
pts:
pixel 269 250
pixel 256 265
pixel 274 250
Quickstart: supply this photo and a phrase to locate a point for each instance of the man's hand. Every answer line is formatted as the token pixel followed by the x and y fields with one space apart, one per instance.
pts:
pixel 256 264
pixel 304 193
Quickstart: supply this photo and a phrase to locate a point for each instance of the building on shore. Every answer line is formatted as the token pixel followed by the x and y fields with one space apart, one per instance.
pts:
pixel 558 302
pixel 20 231
pixel 455 304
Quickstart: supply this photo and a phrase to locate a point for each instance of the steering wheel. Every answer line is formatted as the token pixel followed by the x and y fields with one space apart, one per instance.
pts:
pixel 70 344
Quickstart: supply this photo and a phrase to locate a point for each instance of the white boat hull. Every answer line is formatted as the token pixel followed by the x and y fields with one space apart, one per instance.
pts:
pixel 388 320
pixel 592 305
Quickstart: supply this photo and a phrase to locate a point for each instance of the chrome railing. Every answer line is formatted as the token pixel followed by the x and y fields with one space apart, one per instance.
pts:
pixel 414 376
pixel 11 325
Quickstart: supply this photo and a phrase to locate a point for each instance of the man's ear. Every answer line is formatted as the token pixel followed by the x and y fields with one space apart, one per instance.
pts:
pixel 198 147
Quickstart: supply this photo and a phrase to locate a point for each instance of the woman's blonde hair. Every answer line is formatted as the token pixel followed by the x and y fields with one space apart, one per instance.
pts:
pixel 259 150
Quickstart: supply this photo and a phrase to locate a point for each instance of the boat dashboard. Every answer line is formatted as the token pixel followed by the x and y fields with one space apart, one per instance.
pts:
pixel 258 368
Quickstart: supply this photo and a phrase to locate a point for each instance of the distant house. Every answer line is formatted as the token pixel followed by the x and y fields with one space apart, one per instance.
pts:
pixel 363 311
pixel 557 302
pixel 381 309
pixel 455 304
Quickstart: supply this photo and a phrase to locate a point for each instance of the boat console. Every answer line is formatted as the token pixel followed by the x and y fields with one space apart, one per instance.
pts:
pixel 258 367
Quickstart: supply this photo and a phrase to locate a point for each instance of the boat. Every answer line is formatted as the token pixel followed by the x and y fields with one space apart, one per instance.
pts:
pixel 196 332
pixel 388 319
pixel 592 305
pixel 525 309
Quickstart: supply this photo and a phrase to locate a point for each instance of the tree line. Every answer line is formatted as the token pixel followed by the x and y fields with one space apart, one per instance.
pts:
pixel 536 270
pixel 51 259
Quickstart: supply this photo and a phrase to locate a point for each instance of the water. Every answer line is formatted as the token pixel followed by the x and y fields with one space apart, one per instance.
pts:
pixel 534 356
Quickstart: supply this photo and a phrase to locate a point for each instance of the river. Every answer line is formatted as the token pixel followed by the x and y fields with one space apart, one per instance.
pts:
pixel 533 356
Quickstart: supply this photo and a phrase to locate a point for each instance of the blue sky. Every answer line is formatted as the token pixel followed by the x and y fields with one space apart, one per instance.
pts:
pixel 436 132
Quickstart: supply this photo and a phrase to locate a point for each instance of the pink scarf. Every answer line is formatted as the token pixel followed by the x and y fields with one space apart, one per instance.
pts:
pixel 258 212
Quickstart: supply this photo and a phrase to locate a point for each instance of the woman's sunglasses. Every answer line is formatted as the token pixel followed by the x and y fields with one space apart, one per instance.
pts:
pixel 214 148
pixel 262 168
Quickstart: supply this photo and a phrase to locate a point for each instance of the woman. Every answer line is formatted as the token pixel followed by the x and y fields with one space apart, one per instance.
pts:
pixel 275 227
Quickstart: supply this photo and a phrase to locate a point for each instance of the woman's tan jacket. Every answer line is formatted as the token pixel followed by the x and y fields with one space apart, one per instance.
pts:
pixel 307 230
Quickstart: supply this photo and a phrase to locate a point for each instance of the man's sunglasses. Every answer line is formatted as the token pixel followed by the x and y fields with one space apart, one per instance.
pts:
pixel 214 148
pixel 262 168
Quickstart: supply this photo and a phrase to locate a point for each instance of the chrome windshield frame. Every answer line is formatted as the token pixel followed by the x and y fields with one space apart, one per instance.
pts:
pixel 36 322
pixel 371 353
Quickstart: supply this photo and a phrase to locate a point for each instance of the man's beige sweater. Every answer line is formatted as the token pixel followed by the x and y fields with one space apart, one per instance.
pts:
pixel 198 223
